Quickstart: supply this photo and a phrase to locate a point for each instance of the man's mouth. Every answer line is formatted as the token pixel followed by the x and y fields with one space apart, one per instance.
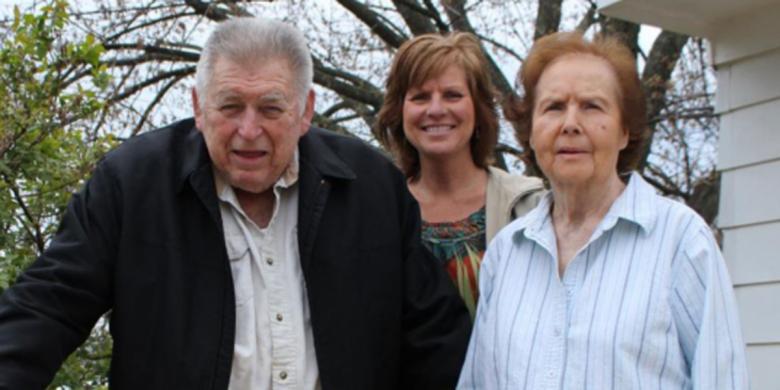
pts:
pixel 250 154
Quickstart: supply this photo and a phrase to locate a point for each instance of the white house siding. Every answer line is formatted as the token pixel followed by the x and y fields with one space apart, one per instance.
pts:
pixel 749 159
pixel 746 51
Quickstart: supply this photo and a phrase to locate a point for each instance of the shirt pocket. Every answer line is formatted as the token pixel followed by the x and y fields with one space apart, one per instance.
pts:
pixel 241 268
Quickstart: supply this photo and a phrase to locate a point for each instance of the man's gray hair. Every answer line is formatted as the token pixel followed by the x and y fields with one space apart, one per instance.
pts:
pixel 252 41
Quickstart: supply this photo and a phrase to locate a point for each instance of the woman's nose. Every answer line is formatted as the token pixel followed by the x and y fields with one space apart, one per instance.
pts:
pixel 436 107
pixel 571 121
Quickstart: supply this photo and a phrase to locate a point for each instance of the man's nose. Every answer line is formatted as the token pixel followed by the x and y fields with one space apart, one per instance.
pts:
pixel 250 126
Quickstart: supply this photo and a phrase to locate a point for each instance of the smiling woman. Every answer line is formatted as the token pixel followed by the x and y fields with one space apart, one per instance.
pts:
pixel 439 119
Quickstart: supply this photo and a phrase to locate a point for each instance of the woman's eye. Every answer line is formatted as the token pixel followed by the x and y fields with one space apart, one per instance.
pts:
pixel 556 106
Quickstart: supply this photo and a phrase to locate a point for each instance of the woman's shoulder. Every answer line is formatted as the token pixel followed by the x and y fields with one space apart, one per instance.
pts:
pixel 513 183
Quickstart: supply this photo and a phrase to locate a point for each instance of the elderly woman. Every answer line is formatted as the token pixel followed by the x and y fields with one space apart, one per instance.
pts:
pixel 439 119
pixel 605 284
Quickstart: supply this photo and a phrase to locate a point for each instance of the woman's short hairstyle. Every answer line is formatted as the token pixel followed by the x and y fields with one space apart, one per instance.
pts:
pixel 420 59
pixel 548 49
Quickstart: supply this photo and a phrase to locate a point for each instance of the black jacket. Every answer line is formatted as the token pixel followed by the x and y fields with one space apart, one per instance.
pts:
pixel 144 240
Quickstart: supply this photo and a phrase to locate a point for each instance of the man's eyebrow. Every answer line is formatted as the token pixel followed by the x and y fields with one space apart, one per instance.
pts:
pixel 273 97
pixel 225 95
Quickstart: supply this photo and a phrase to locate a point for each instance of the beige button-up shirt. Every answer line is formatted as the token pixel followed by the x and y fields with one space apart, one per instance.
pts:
pixel 274 344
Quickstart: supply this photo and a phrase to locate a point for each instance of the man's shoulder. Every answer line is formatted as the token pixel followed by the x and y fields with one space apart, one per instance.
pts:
pixel 160 154
pixel 354 152
pixel 157 140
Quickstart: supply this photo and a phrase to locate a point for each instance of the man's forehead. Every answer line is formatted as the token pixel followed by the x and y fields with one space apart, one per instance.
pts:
pixel 270 95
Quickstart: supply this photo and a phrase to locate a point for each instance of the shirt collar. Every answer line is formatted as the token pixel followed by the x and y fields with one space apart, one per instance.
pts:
pixel 634 204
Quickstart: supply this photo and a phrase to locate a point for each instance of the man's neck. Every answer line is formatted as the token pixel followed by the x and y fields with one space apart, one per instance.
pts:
pixel 259 207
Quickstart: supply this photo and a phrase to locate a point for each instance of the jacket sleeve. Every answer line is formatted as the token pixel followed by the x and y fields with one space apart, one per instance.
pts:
pixel 54 304
pixel 435 320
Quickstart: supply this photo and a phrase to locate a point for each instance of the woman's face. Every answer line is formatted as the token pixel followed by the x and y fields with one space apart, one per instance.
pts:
pixel 576 130
pixel 438 116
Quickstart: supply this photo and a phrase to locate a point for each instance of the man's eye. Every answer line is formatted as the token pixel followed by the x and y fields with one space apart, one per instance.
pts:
pixel 229 107
pixel 272 111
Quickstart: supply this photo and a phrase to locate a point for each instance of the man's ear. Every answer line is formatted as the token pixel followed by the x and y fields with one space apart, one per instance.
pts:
pixel 308 112
pixel 198 113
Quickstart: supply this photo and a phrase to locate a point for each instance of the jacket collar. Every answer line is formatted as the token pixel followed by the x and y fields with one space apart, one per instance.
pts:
pixel 316 157
pixel 317 161
pixel 194 155
pixel 314 154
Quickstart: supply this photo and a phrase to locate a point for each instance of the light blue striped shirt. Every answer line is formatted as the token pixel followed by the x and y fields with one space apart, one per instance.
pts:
pixel 646 304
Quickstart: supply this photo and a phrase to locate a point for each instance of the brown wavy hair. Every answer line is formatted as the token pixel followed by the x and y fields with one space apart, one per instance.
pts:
pixel 420 59
pixel 548 49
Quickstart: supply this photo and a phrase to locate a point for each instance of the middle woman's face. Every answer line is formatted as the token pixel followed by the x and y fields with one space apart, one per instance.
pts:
pixel 576 131
pixel 438 116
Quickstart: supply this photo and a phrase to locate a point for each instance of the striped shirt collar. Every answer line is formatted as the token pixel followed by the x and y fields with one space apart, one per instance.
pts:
pixel 634 204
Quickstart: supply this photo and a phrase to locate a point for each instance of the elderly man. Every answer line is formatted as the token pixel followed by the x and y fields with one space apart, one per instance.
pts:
pixel 241 250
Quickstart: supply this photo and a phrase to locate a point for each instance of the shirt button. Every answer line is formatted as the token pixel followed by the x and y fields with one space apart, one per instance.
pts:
pixel 283 375
pixel 270 261
pixel 280 318
pixel 557 332
pixel 550 374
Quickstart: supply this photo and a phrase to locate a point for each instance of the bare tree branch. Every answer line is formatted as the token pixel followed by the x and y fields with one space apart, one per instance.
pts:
pixel 157 99
pixel 374 21
pixel 415 16
pixel 135 88
pixel 588 19
pixel 456 12
pixel 182 55
pixel 357 88
pixel 658 69
pixel 548 17
pixel 32 226
pixel 627 32
pixel 146 24
pixel 213 11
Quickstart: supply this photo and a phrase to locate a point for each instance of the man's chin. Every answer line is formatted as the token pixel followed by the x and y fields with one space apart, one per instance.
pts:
pixel 251 187
pixel 250 183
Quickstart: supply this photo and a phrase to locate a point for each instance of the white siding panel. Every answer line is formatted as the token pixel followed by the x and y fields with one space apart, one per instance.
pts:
pixel 751 253
pixel 750 194
pixel 750 135
pixel 759 309
pixel 763 363
pixel 749 81
pixel 745 35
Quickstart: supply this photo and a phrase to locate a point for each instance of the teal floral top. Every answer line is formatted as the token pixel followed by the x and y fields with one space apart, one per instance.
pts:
pixel 459 246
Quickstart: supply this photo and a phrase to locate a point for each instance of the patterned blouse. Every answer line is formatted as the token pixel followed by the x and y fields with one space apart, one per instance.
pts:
pixel 459 246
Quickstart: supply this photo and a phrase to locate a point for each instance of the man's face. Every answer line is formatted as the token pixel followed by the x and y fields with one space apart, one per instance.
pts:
pixel 251 119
